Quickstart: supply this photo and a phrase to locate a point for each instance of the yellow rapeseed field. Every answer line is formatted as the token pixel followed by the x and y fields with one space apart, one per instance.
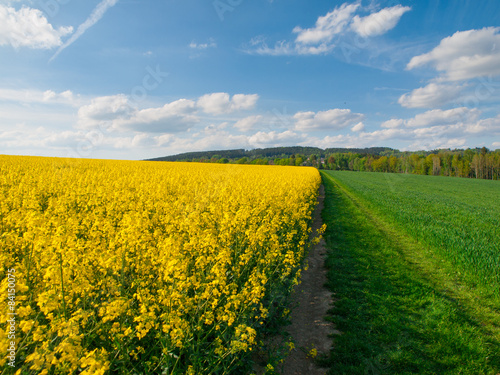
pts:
pixel 146 267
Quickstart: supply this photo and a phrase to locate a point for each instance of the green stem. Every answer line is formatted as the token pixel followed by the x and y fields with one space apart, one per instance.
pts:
pixel 62 286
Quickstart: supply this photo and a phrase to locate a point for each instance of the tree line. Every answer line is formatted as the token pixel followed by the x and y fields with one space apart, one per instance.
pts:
pixel 470 163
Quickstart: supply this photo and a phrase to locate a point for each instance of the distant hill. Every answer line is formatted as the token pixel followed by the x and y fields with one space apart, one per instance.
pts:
pixel 274 152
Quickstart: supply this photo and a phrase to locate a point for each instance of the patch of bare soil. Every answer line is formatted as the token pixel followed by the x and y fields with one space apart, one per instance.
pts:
pixel 311 300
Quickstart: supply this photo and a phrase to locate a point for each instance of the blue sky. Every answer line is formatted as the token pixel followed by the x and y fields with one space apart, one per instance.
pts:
pixel 129 79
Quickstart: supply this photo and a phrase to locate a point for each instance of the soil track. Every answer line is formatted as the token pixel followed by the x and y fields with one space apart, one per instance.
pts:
pixel 310 301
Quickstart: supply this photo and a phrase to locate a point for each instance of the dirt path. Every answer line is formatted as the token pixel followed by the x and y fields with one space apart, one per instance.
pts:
pixel 310 301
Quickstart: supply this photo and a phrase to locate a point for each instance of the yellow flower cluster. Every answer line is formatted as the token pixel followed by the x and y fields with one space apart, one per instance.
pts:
pixel 146 267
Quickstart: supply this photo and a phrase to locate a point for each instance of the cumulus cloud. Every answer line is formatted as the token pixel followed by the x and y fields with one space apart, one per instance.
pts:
pixel 50 95
pixel 432 95
pixel 104 109
pixel 378 23
pixel 28 27
pixel 273 138
pixel 116 112
pixel 221 140
pixel 84 143
pixel 333 119
pixel 213 129
pixel 393 123
pixel 221 102
pixel 440 117
pixel 358 127
pixel 141 140
pixel 464 55
pixel 428 130
pixel 78 143
pixel 490 125
pixel 361 139
pixel 216 103
pixel 20 137
pixel 248 123
pixel 173 117
pixel 437 128
pixel 383 135
pixel 437 143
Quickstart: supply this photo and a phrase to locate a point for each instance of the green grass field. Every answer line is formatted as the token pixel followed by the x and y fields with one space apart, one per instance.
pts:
pixel 458 218
pixel 414 268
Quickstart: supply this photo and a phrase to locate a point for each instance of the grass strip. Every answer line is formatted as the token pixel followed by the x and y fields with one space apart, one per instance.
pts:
pixel 399 308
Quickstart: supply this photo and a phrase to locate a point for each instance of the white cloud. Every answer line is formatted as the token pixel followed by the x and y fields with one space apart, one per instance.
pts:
pixel 333 23
pixel 260 47
pixel 429 130
pixel 37 96
pixel 219 103
pixel 333 119
pixel 486 126
pixel 116 112
pixel 437 143
pixel 94 17
pixel 363 139
pixel 329 30
pixel 464 55
pixel 104 109
pixel 216 103
pixel 432 95
pixel 437 128
pixel 28 27
pixel 67 138
pixel 50 95
pixel 23 138
pixel 248 123
pixel 378 23
pixel 383 135
pixel 77 143
pixel 272 139
pixel 424 138
pixel 217 141
pixel 221 140
pixel 440 117
pixel 332 141
pixel 173 117
pixel 359 127
pixel 202 46
pixel 243 102
pixel 313 50
pixel 141 140
pixel 213 129
pixel 393 123
pixel 437 122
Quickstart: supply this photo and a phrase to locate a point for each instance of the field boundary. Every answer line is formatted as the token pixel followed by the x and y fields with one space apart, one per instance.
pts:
pixel 311 300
